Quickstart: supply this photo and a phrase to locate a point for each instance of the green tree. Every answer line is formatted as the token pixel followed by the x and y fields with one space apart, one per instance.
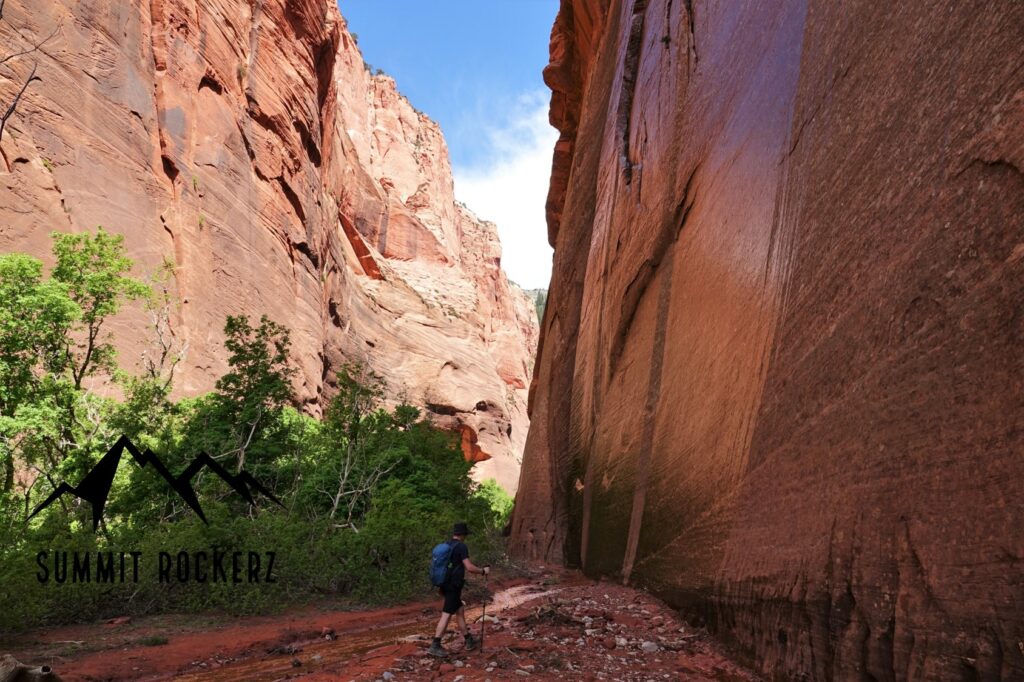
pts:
pixel 541 302
pixel 93 270
pixel 51 339
pixel 361 443
pixel 34 316
pixel 258 385
pixel 147 409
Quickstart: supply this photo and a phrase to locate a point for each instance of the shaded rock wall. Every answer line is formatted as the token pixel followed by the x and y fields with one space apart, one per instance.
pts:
pixel 247 144
pixel 780 372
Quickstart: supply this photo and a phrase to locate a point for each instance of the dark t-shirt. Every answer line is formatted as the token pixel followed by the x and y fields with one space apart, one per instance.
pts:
pixel 457 574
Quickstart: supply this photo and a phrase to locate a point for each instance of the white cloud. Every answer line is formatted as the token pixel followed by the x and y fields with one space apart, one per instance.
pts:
pixel 511 187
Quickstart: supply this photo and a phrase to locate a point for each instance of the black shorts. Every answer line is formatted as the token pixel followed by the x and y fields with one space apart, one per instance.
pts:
pixel 452 599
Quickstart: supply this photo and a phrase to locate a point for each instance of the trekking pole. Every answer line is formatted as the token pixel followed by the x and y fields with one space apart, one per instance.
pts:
pixel 483 618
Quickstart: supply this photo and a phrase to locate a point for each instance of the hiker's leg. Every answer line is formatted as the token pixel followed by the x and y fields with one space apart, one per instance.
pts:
pixel 461 615
pixel 442 625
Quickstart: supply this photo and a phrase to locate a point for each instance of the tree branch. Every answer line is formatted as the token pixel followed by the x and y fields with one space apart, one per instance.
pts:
pixel 34 48
pixel 32 76
pixel 28 491
pixel 94 333
pixel 241 450
pixel 17 98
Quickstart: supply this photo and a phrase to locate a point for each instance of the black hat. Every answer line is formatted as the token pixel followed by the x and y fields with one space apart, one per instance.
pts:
pixel 460 529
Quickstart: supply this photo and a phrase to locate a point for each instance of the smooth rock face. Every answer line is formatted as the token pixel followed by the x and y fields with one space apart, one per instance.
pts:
pixel 248 145
pixel 781 364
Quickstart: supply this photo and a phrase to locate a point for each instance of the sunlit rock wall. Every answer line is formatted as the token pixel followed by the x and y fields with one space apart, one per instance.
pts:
pixel 781 367
pixel 248 145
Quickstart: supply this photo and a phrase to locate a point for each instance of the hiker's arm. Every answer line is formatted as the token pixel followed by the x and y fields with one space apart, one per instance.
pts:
pixel 473 568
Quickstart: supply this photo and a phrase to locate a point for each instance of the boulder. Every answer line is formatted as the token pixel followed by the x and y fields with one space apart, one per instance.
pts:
pixel 13 671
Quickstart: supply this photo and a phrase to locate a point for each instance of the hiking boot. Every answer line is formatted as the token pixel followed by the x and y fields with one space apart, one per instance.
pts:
pixel 437 650
pixel 471 642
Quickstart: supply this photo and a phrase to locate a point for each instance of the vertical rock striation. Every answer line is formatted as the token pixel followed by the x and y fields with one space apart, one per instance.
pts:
pixel 247 144
pixel 780 372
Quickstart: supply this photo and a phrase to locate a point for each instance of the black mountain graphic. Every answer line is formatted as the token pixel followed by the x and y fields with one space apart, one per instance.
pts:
pixel 95 487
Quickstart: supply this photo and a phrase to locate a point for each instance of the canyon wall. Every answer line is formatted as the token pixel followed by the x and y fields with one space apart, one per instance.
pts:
pixel 248 145
pixel 781 365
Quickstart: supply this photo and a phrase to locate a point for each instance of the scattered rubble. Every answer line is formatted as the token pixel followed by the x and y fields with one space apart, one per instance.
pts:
pixel 614 633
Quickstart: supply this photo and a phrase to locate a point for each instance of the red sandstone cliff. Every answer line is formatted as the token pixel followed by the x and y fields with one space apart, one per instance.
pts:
pixel 781 371
pixel 247 143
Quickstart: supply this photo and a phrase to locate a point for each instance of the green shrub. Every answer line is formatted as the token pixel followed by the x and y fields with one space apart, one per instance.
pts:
pixel 497 499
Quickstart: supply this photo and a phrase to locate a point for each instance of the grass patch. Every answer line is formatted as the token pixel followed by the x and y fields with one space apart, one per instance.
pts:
pixel 153 640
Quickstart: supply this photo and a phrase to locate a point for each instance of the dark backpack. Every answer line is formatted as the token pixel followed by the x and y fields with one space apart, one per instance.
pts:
pixel 440 563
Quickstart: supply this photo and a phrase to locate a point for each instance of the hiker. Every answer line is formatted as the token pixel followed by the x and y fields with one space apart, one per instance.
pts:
pixel 448 573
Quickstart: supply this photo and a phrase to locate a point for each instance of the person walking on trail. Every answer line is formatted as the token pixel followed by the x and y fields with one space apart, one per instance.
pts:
pixel 454 580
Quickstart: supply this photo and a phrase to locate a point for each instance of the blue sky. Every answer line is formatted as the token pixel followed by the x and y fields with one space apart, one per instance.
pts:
pixel 474 66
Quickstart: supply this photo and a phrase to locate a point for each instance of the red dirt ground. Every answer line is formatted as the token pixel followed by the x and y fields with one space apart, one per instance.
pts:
pixel 555 626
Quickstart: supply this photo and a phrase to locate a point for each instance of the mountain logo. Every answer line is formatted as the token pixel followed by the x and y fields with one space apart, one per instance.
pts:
pixel 95 487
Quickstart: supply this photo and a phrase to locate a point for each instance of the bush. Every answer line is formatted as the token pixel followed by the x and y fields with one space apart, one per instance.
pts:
pixel 499 501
